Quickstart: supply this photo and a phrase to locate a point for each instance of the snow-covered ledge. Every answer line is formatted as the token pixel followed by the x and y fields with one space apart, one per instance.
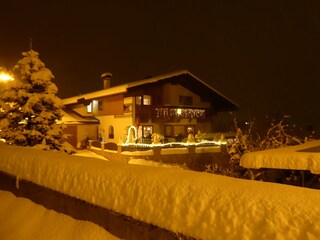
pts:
pixel 200 205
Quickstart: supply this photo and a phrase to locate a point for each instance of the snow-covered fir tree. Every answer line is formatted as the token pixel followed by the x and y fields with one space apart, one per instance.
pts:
pixel 30 111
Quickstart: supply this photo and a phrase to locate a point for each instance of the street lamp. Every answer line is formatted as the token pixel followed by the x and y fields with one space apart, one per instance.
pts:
pixel 5 75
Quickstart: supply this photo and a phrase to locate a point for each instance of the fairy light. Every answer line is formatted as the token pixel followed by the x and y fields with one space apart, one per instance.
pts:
pixel 174 144
pixel 131 129
pixel 132 142
pixel 180 112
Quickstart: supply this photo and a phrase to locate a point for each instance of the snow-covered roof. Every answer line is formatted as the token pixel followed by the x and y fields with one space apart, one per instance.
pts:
pixel 300 157
pixel 194 84
pixel 72 117
pixel 97 94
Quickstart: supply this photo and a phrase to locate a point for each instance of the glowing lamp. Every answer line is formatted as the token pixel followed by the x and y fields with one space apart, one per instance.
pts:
pixel 5 76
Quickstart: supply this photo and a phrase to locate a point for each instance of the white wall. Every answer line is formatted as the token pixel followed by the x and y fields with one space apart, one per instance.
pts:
pixel 119 126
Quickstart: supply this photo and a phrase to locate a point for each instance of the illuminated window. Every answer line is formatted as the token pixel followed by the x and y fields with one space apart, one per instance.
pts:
pixel 190 129
pixel 89 108
pixel 147 131
pixel 95 105
pixel 146 100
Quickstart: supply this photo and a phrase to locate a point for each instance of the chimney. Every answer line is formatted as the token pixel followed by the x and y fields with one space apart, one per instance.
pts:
pixel 106 78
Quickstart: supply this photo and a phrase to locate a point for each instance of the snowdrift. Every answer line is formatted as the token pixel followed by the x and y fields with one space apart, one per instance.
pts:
pixel 25 220
pixel 300 157
pixel 200 205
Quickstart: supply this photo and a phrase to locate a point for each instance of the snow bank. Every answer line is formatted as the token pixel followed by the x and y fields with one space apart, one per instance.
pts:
pixel 86 153
pixel 301 157
pixel 150 163
pixel 138 153
pixel 201 205
pixel 25 220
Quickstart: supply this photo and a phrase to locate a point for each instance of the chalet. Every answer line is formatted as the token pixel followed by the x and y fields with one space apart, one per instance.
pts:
pixel 172 105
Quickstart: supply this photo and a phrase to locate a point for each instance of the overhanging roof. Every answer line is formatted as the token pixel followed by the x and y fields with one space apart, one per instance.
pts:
pixel 72 117
pixel 183 77
pixel 193 84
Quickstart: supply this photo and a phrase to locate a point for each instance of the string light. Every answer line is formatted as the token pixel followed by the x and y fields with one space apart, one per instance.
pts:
pixel 132 142
pixel 174 144
pixel 180 112
pixel 135 135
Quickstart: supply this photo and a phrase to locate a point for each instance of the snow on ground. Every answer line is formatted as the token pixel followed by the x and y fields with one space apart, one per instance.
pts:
pixel 22 219
pixel 139 161
pixel 86 153
pixel 300 157
pixel 201 205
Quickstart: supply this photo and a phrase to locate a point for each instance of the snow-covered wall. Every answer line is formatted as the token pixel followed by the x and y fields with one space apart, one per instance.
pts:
pixel 201 205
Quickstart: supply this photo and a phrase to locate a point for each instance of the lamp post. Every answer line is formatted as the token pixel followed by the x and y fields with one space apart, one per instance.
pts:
pixel 5 76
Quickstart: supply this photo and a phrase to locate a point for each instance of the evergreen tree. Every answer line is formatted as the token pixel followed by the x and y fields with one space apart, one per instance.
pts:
pixel 30 111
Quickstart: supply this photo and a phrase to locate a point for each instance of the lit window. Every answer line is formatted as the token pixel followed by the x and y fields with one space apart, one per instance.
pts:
pixel 147 131
pixel 94 105
pixel 146 100
pixel 89 108
pixel 190 129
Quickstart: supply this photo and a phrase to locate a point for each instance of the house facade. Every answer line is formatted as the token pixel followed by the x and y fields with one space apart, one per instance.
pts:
pixel 173 105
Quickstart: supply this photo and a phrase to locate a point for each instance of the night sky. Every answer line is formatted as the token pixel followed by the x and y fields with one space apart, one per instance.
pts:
pixel 264 55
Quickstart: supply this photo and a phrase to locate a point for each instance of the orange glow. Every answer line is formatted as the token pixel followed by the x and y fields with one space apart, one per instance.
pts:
pixel 4 76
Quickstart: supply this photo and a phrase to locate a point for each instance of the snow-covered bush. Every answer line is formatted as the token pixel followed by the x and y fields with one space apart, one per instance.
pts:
pixel 249 140
pixel 30 110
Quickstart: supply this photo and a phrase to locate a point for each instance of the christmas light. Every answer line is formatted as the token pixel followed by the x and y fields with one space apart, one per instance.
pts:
pixel 180 112
pixel 174 144
pixel 132 130
pixel 131 142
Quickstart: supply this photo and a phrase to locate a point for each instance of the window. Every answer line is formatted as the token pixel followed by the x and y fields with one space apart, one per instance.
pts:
pixel 146 100
pixel 143 100
pixel 179 130
pixel 168 130
pixel 127 108
pixel 190 129
pixel 138 100
pixel 89 108
pixel 95 106
pixel 147 131
pixel 185 100
pixel 111 132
